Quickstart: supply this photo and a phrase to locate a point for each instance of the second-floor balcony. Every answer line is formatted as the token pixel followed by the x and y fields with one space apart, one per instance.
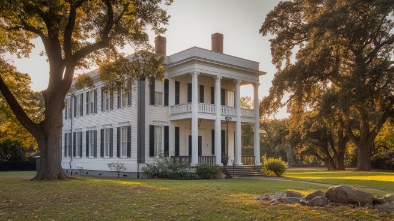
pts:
pixel 211 109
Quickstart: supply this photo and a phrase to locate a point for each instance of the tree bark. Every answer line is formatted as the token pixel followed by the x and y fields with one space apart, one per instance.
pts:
pixel 364 154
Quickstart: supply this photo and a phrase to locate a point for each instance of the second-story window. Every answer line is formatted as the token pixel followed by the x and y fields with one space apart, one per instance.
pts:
pixel 107 100
pixel 78 105
pixel 91 102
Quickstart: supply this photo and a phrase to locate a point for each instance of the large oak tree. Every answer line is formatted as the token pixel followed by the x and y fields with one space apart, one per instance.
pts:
pixel 75 34
pixel 343 63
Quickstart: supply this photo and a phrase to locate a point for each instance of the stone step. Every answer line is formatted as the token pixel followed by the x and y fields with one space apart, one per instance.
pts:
pixel 244 170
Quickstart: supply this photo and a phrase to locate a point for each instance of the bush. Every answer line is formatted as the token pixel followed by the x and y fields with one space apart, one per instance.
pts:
pixel 273 166
pixel 383 161
pixel 205 171
pixel 164 168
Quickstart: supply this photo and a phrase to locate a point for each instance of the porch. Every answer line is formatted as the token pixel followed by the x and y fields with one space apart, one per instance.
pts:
pixel 211 160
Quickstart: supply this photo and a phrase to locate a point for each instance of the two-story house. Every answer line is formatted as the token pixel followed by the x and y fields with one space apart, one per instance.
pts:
pixel 193 116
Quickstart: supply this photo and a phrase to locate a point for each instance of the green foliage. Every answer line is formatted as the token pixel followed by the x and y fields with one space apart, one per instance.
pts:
pixel 13 151
pixel 383 161
pixel 273 166
pixel 205 171
pixel 164 168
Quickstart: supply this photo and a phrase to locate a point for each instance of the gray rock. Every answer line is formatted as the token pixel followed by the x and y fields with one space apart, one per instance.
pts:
pixel 289 193
pixel 378 200
pixel 348 194
pixel 385 207
pixel 265 197
pixel 317 201
pixel 278 194
pixel 291 200
pixel 311 196
pixel 388 198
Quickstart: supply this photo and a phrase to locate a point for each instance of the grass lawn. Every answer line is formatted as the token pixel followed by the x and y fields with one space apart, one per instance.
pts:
pixel 88 198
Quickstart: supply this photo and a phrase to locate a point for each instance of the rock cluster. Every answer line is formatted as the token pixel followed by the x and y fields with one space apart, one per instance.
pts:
pixel 335 195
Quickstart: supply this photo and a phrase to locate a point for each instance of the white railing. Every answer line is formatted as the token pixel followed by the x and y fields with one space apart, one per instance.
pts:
pixel 206 108
pixel 181 108
pixel 227 110
pixel 247 112
pixel 211 109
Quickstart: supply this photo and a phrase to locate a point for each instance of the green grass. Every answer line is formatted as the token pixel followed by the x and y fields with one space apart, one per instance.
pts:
pixel 88 198
pixel 376 182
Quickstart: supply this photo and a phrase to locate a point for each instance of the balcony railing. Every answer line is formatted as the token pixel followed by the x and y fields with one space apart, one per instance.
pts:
pixel 211 109
pixel 211 160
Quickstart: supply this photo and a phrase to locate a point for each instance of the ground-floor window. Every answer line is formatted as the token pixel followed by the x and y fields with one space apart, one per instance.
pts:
pixel 106 147
pixel 67 145
pixel 124 142
pixel 77 144
pixel 91 143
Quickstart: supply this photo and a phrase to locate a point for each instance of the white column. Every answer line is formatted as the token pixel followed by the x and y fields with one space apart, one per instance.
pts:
pixel 256 124
pixel 218 123
pixel 238 152
pixel 194 118
pixel 171 92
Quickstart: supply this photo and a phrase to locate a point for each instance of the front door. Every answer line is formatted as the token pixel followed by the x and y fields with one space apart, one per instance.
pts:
pixel 199 145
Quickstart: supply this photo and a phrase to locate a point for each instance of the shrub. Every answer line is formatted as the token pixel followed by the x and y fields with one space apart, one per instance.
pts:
pixel 164 168
pixel 383 161
pixel 205 171
pixel 273 166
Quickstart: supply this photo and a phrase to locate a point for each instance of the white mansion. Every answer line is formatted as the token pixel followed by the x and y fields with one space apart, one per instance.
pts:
pixel 193 116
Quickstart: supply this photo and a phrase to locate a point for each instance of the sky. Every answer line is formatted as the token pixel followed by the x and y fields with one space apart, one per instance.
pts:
pixel 191 24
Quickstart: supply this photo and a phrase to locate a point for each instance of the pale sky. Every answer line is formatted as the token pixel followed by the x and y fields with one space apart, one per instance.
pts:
pixel 191 24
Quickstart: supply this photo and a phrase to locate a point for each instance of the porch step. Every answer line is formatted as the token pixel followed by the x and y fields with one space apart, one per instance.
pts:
pixel 242 171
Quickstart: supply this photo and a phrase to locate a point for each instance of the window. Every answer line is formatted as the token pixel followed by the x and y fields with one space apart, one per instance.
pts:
pixel 77 144
pixel 106 100
pixel 230 98
pixel 156 93
pixel 124 142
pixel 201 93
pixel 124 96
pixel 189 92
pixel 106 142
pixel 67 145
pixel 78 105
pixel 91 102
pixel 91 143
pixel 158 140
pixel 67 110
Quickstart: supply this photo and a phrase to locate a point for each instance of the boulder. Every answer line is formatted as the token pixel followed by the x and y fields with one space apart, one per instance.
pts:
pixel 388 198
pixel 385 207
pixel 311 196
pixel 348 194
pixel 378 200
pixel 291 200
pixel 317 201
pixel 293 194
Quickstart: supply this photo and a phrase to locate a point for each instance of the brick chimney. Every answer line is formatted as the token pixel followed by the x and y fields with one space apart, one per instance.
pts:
pixel 217 42
pixel 160 45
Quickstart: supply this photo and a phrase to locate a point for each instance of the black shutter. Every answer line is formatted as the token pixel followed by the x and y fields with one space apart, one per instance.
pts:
pixel 152 92
pixel 75 106
pixel 95 144
pixel 177 91
pixel 65 145
pixel 151 140
pixel 69 145
pixel 201 93
pixel 189 92
pixel 102 99
pixel 129 93
pixel 81 103
pixel 80 144
pixel 87 103
pixel 74 144
pixel 166 89
pixel 190 146
pixel 213 142
pixel 119 98
pixel 129 141
pixel 222 97
pixel 111 100
pixel 223 136
pixel 95 102
pixel 118 142
pixel 176 141
pixel 212 95
pixel 111 142
pixel 65 110
pixel 87 143
pixel 166 141
pixel 102 143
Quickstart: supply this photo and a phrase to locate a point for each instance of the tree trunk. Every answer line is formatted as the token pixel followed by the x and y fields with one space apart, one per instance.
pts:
pixel 364 156
pixel 342 142
pixel 49 143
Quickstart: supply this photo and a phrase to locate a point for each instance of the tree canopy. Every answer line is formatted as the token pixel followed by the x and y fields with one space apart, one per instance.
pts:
pixel 342 66
pixel 75 34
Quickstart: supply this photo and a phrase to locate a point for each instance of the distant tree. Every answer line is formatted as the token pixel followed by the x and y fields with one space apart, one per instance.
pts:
pixel 247 130
pixel 274 139
pixel 343 64
pixel 75 34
